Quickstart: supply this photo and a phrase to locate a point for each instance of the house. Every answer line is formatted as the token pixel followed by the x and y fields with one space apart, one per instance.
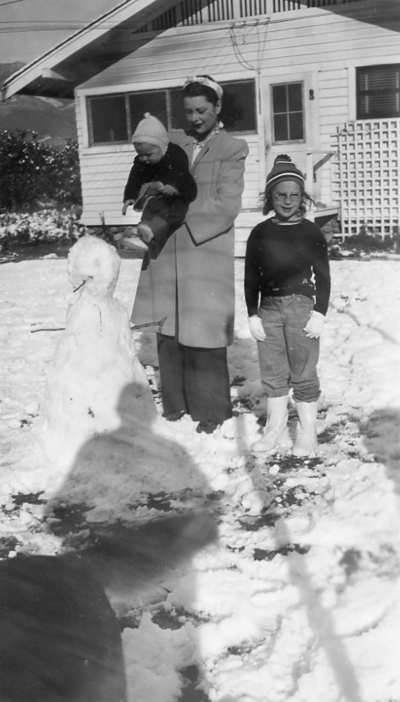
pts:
pixel 318 79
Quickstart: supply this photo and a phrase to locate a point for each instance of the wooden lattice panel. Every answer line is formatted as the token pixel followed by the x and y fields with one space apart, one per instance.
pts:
pixel 368 176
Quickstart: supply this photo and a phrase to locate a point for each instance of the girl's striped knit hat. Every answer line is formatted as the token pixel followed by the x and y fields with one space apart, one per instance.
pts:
pixel 283 169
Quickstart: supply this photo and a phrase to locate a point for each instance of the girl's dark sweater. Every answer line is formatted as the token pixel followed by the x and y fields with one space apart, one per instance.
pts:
pixel 286 259
pixel 172 169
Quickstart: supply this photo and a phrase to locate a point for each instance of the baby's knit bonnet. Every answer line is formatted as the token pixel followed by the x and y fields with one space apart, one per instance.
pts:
pixel 151 131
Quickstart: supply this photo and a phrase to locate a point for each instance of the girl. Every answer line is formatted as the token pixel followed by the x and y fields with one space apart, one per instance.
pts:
pixel 287 288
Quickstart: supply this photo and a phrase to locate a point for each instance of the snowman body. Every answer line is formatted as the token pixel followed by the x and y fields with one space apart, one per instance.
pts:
pixel 95 361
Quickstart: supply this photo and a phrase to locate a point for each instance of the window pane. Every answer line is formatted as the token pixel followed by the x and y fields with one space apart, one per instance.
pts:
pixel 108 119
pixel 379 106
pixel 296 126
pixel 379 77
pixel 178 119
pixel 154 102
pixel 295 97
pixel 378 92
pixel 241 99
pixel 279 97
pixel 281 128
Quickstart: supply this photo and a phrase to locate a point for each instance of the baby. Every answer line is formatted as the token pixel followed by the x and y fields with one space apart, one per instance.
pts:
pixel 159 184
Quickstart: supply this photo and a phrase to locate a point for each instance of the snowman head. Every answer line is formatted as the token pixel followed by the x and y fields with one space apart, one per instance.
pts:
pixel 93 267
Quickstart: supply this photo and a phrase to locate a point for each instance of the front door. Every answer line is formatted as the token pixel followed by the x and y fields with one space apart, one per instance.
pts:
pixel 291 121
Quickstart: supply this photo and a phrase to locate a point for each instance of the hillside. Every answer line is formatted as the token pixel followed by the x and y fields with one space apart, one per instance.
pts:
pixel 53 120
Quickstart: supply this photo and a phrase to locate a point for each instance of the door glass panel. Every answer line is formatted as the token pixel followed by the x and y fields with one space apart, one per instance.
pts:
pixel 280 98
pixel 296 130
pixel 281 131
pixel 288 112
pixel 295 97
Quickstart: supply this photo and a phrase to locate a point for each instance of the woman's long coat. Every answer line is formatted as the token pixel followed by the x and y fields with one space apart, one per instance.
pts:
pixel 192 281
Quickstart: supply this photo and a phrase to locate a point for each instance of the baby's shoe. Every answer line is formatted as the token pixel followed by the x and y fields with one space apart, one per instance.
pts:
pixel 134 243
pixel 145 232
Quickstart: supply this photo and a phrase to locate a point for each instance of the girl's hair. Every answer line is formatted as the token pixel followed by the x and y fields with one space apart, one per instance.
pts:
pixel 268 203
pixel 231 109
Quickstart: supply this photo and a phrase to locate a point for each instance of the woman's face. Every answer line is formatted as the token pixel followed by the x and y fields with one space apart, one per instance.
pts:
pixel 201 115
pixel 286 198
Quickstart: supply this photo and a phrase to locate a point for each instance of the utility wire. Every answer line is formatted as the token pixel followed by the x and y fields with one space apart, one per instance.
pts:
pixel 12 2
pixel 21 26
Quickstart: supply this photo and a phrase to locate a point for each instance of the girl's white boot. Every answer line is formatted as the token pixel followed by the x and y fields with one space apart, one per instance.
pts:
pixel 306 438
pixel 276 434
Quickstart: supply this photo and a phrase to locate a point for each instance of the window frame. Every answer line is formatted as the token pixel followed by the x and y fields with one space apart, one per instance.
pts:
pixel 277 142
pixel 360 94
pixel 89 99
pixel 90 124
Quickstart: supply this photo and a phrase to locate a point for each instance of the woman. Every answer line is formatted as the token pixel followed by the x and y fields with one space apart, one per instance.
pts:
pixel 287 288
pixel 192 281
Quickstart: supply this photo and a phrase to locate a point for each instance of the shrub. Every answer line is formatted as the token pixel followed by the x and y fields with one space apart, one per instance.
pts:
pixel 46 226
pixel 63 183
pixel 33 174
pixel 367 243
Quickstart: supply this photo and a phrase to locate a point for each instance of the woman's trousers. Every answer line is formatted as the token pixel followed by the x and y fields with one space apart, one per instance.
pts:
pixel 194 380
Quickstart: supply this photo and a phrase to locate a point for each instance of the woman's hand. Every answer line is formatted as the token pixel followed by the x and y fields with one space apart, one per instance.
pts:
pixel 169 190
pixel 154 187
pixel 127 204
pixel 256 328
pixel 315 325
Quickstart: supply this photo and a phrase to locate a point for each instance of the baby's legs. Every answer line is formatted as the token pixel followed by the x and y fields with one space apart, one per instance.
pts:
pixel 155 227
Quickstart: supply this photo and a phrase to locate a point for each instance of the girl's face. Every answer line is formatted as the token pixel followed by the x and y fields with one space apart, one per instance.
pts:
pixel 201 115
pixel 286 198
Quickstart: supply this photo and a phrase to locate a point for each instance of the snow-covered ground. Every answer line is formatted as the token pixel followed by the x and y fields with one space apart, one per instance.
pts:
pixel 300 598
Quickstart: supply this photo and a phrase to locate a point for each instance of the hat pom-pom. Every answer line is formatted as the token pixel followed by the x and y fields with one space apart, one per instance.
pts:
pixel 283 158
pixel 147 114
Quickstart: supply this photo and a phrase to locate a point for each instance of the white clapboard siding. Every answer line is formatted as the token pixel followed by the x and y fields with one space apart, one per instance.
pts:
pixel 304 40
pixel 325 45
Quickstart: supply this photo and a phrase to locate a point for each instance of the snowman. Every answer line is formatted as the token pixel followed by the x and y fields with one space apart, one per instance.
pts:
pixel 95 362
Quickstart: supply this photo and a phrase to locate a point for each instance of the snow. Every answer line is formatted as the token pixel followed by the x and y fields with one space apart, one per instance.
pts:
pixel 300 598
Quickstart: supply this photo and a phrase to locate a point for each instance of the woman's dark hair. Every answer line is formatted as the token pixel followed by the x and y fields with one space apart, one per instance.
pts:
pixel 231 109
pixel 268 203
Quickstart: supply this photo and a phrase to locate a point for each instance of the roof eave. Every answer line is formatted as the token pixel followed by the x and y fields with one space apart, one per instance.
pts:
pixel 58 71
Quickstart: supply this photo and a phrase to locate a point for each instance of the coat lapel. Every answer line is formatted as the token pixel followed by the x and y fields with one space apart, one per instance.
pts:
pixel 201 154
pixel 187 145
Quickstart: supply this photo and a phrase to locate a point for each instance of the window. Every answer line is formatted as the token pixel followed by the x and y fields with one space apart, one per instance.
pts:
pixel 288 112
pixel 154 102
pixel 113 118
pixel 378 92
pixel 108 119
